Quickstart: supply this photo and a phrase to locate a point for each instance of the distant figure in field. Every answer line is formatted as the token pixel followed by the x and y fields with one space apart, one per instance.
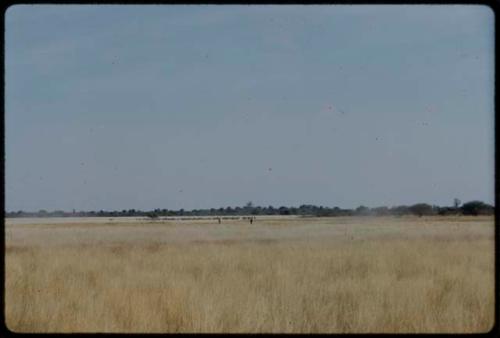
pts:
pixel 219 220
pixel 251 220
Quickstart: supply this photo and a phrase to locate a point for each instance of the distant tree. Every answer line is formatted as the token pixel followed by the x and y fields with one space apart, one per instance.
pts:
pixel 362 211
pixel 380 211
pixel 444 211
pixel 421 209
pixel 284 210
pixel 456 203
pixel 400 210
pixel 477 208
pixel 336 211
pixel 248 208
pixel 270 210
pixel 323 211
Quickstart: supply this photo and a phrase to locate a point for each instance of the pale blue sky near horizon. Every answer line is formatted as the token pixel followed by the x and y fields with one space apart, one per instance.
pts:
pixel 119 107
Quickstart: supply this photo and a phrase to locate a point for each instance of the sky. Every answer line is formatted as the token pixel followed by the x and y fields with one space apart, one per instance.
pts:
pixel 175 106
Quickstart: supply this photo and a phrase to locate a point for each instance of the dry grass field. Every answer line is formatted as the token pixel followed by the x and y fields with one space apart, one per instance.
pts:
pixel 290 275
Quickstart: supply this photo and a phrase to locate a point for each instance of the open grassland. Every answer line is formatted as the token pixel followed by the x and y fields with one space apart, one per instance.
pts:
pixel 352 274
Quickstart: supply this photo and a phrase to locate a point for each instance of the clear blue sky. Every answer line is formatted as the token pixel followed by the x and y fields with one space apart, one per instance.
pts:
pixel 118 107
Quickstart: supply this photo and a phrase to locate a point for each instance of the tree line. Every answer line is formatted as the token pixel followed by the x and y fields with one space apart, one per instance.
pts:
pixel 419 209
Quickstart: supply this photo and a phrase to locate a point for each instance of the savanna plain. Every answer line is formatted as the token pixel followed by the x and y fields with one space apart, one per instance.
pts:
pixel 279 274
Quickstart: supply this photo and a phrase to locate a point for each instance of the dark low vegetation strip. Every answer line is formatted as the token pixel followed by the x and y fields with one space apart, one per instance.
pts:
pixel 420 209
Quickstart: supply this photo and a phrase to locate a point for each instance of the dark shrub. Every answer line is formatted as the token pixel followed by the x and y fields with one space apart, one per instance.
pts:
pixel 477 208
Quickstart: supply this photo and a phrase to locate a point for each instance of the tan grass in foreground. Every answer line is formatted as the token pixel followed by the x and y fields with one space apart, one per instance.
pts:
pixel 338 283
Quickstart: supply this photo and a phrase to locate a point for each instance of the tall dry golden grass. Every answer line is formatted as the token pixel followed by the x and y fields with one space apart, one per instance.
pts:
pixel 346 282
